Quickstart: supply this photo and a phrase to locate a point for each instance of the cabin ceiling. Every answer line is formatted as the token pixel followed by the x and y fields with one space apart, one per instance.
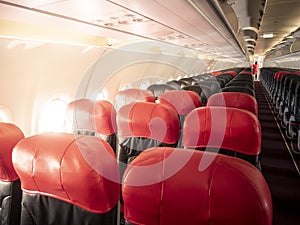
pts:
pixel 268 26
pixel 176 22
pixel 282 19
pixel 192 24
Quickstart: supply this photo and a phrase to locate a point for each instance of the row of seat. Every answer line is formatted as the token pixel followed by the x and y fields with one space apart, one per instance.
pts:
pixel 204 85
pixel 136 138
pixel 135 125
pixel 182 101
pixel 74 180
pixel 283 88
pixel 89 116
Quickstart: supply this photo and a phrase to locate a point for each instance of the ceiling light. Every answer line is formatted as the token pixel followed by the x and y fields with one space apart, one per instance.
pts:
pixel 268 35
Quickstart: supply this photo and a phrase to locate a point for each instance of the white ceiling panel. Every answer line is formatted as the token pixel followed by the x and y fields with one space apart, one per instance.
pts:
pixel 128 20
pixel 35 18
pixel 187 20
pixel 34 3
pixel 85 10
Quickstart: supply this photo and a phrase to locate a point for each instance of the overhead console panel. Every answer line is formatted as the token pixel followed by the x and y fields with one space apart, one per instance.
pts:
pixel 195 25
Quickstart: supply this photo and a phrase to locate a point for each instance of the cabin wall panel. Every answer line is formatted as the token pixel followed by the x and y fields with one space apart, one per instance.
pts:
pixel 33 73
pixel 119 68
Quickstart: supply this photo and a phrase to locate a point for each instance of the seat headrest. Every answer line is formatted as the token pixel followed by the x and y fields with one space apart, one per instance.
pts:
pixel 279 74
pixel 177 186
pixel 85 114
pixel 232 73
pixel 149 120
pixel 105 117
pixel 129 96
pixel 189 80
pixel 175 84
pixel 234 99
pixel 213 84
pixel 79 170
pixel 245 72
pixel 224 128
pixel 238 89
pixel 183 101
pixel 216 73
pixel 241 83
pixel 194 88
pixel 10 135
pixel 158 89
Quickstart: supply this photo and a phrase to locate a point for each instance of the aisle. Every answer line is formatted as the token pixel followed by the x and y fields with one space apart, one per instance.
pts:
pixel 277 165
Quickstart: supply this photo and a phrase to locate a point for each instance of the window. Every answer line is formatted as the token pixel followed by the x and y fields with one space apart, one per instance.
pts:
pixel 5 115
pixel 101 95
pixel 52 116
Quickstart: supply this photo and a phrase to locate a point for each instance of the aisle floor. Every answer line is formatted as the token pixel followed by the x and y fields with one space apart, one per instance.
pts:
pixel 277 165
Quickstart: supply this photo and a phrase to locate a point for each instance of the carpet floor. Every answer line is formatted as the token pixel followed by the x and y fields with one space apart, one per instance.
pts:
pixel 277 164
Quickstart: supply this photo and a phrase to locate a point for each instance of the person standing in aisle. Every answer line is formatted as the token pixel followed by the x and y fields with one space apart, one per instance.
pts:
pixel 255 70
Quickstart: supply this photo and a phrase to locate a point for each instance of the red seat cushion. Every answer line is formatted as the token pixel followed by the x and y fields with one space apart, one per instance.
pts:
pixel 149 120
pixel 221 127
pixel 79 170
pixel 10 135
pixel 234 99
pixel 182 100
pixel 96 116
pixel 166 186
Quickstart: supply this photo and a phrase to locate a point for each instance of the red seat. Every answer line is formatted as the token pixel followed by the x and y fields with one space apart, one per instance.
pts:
pixel 234 99
pixel 216 73
pixel 277 80
pixel 129 96
pixel 232 131
pixel 10 189
pixel 164 186
pixel 245 72
pixel 142 125
pixel 183 101
pixel 87 117
pixel 279 74
pixel 231 72
pixel 67 180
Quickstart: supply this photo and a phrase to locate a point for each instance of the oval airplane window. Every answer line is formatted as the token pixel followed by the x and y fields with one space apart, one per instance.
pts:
pixel 101 95
pixel 52 116
pixel 5 115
